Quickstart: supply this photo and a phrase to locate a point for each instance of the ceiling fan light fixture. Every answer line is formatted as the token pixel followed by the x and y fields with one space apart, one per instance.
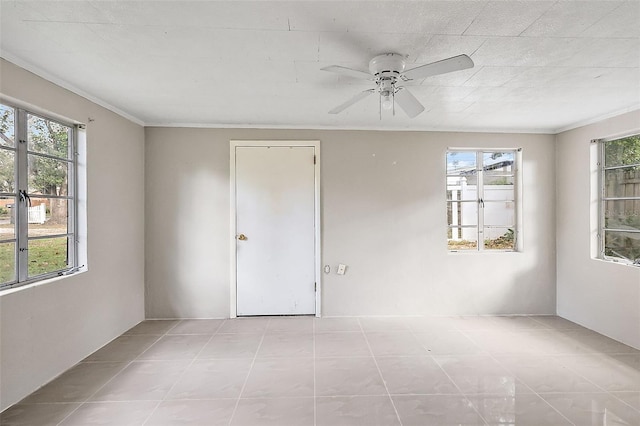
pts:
pixel 387 101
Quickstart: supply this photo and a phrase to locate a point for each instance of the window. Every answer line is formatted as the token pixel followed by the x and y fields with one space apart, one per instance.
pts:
pixel 482 199
pixel 619 224
pixel 37 197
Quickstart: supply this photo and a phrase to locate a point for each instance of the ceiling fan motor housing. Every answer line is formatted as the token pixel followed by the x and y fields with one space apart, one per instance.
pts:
pixel 389 65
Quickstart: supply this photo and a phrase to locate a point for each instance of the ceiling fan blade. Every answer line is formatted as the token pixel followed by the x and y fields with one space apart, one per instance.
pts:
pixel 408 102
pixel 360 96
pixel 348 72
pixel 456 63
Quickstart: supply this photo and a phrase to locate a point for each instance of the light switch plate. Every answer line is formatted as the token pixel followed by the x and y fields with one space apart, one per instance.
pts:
pixel 341 269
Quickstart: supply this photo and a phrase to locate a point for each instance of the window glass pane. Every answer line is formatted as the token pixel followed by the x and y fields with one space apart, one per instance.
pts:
pixel 469 188
pixel 498 162
pixel 494 180
pixel 499 238
pixel 622 214
pixel 462 239
pixel 462 188
pixel 498 194
pixel 461 162
pixel 499 213
pixel 624 245
pixel 48 176
pixel 462 213
pixel 622 151
pixel 47 255
pixel 48 216
pixel 7 218
pixel 7 262
pixel 622 182
pixel 499 190
pixel 47 137
pixel 7 126
pixel 7 170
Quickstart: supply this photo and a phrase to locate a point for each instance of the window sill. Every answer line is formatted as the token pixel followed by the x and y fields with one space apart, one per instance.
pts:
pixel 40 282
pixel 481 252
pixel 617 262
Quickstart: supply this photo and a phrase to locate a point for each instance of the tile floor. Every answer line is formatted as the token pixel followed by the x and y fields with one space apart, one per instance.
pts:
pixel 346 371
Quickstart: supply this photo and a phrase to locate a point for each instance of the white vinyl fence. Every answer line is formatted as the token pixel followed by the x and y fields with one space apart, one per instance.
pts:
pixel 498 209
pixel 38 214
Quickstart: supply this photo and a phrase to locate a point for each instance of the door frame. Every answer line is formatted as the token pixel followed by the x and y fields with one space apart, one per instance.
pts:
pixel 315 144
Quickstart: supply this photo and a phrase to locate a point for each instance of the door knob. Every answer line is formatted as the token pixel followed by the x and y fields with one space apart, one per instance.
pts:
pixel 242 237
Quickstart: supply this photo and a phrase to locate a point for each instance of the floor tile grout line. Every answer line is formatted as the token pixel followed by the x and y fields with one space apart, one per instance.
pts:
pixel 623 401
pixel 384 383
pixel 540 322
pixel 529 387
pixel 553 356
pixel 448 376
pixel 467 331
pixel 555 409
pixel 246 379
pixel 115 375
pixel 491 355
pixel 183 372
pixel 174 326
pixel 156 341
pixel 315 408
pixel 604 390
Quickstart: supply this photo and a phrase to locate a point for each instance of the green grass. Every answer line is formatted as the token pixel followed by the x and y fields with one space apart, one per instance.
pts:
pixel 46 255
pixel 7 262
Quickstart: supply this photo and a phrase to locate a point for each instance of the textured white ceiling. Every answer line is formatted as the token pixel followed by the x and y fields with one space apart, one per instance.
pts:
pixel 540 65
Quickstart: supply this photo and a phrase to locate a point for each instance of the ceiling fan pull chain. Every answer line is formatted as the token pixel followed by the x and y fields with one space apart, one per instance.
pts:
pixel 393 98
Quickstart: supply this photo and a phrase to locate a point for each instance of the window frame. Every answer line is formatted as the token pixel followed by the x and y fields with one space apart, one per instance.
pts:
pixel 21 238
pixel 602 198
pixel 480 199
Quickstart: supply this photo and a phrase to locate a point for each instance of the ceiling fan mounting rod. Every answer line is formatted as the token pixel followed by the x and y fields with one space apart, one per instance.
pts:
pixel 387 86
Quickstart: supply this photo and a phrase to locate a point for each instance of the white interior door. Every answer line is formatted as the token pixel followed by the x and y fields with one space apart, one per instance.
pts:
pixel 275 230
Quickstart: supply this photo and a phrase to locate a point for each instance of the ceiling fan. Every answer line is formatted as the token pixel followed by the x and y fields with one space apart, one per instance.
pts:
pixel 387 71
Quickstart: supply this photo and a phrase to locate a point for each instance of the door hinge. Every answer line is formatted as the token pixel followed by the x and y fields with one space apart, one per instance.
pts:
pixel 314 159
pixel 315 286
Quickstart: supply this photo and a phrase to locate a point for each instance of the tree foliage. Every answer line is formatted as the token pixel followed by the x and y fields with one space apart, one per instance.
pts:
pixel 622 151
pixel 7 158
pixel 622 214
pixel 46 175
pixel 6 125
pixel 7 175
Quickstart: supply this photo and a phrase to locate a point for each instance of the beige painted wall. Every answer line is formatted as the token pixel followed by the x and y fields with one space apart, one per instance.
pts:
pixel 602 296
pixel 48 328
pixel 383 214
